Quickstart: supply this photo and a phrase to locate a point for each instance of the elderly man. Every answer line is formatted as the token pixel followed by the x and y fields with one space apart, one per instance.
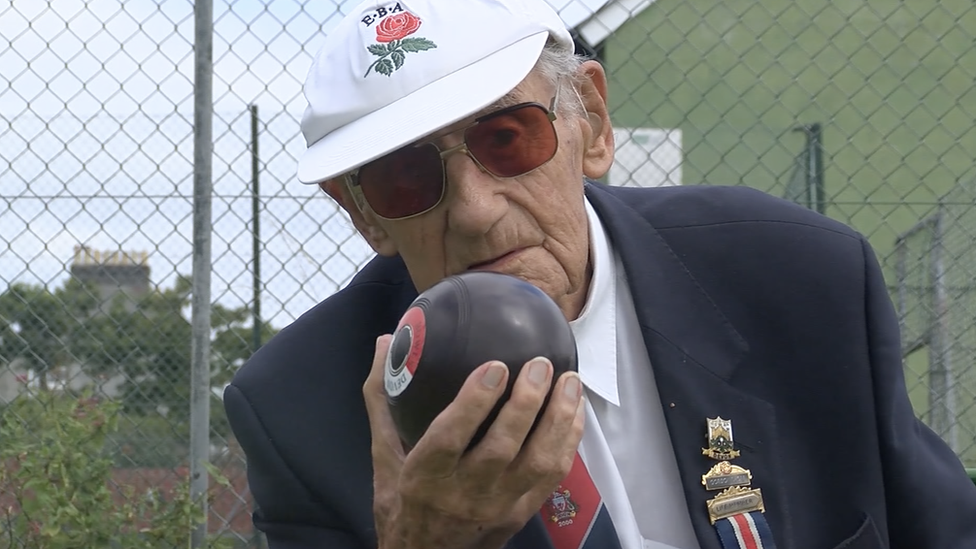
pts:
pixel 740 382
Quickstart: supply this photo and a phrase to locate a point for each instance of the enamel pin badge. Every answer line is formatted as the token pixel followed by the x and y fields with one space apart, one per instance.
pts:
pixel 720 442
pixel 737 512
pixel 735 497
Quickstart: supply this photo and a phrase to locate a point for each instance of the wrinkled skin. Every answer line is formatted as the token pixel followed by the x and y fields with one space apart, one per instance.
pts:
pixel 424 498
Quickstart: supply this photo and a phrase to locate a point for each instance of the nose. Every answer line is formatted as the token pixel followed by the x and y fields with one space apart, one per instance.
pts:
pixel 474 198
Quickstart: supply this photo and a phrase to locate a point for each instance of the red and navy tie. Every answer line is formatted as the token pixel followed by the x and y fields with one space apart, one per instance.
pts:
pixel 575 515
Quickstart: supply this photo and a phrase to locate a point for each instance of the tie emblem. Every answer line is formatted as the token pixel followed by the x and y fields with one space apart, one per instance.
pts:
pixel 560 507
pixel 575 516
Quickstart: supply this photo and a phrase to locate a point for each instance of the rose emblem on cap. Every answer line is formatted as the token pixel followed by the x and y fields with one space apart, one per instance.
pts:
pixel 441 61
pixel 397 27
pixel 393 45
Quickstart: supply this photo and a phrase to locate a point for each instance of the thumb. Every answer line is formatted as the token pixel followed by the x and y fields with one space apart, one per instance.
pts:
pixel 386 440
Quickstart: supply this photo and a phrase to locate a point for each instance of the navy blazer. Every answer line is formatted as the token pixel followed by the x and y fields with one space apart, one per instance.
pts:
pixel 751 308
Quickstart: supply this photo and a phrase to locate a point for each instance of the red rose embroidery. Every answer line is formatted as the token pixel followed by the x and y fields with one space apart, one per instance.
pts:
pixel 397 27
pixel 393 45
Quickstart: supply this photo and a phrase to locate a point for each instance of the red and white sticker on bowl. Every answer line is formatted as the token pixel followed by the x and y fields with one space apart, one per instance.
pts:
pixel 405 351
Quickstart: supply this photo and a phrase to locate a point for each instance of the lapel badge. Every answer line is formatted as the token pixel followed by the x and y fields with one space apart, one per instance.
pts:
pixel 560 508
pixel 720 440
pixel 725 475
pixel 734 501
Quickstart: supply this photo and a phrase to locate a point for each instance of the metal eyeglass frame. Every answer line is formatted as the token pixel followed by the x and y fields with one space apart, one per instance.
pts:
pixel 352 177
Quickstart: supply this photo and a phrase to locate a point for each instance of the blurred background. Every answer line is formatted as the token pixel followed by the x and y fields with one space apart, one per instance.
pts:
pixel 863 110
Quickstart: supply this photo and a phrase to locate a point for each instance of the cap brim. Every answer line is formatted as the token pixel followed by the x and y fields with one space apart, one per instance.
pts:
pixel 436 105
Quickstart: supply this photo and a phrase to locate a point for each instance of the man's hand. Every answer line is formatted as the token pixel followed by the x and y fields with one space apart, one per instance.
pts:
pixel 438 496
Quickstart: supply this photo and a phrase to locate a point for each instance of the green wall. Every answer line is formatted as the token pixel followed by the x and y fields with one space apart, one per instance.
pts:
pixel 892 83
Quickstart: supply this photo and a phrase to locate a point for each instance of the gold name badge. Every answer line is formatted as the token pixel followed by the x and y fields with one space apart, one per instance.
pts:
pixel 734 501
pixel 725 475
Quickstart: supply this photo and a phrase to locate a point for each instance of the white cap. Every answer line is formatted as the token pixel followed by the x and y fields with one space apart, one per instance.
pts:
pixel 392 72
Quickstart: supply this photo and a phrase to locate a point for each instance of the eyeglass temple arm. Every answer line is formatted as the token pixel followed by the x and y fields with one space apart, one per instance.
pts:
pixel 555 99
pixel 352 183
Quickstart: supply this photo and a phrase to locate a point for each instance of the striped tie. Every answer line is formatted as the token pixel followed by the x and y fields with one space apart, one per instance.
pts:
pixel 575 515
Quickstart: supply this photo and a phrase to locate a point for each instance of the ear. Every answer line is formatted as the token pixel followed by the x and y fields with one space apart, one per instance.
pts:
pixel 598 131
pixel 363 218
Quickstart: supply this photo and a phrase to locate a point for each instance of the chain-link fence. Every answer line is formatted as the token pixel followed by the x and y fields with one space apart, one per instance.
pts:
pixel 861 109
pixel 935 294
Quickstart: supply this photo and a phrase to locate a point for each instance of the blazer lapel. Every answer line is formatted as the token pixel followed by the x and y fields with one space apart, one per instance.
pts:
pixel 694 352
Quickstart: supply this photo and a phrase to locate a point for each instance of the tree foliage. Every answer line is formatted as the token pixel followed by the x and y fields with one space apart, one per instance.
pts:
pixel 144 341
pixel 57 489
pixel 38 326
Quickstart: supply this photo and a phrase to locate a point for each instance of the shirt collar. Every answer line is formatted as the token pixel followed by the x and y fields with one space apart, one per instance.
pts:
pixel 596 327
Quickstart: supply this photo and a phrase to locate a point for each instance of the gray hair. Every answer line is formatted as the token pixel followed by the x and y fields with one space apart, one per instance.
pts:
pixel 560 67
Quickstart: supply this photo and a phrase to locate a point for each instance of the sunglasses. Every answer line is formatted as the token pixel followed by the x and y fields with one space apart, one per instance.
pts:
pixel 506 143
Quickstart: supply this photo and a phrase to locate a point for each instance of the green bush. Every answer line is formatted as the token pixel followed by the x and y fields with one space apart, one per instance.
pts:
pixel 56 489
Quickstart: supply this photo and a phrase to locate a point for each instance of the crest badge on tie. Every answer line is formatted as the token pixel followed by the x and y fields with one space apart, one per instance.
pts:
pixel 737 510
pixel 560 507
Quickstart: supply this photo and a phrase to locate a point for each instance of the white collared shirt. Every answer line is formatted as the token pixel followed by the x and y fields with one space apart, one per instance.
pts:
pixel 626 446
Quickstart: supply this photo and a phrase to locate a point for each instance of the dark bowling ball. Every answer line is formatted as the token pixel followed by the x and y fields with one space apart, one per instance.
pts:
pixel 459 324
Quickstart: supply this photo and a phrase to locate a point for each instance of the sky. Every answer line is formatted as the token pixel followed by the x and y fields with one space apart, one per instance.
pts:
pixel 96 143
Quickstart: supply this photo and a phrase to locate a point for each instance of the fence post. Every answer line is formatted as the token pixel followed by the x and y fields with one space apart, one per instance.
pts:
pixel 202 229
pixel 256 342
pixel 812 195
pixel 255 232
pixel 941 398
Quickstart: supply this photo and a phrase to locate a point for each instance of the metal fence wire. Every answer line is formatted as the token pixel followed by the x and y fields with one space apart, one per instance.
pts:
pixel 864 110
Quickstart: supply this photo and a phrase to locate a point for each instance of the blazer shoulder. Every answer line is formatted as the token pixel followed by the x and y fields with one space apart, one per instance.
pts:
pixel 702 206
pixel 349 319
pixel 737 240
pixel 296 409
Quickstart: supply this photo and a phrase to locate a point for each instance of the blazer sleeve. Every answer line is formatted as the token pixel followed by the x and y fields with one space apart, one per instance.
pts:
pixel 284 509
pixel 930 500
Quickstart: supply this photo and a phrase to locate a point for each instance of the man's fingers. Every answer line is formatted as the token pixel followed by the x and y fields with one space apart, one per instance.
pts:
pixel 548 453
pixel 504 439
pixel 448 436
pixel 373 387
pixel 384 434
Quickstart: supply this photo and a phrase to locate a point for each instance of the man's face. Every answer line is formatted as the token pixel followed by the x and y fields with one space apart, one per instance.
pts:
pixel 532 226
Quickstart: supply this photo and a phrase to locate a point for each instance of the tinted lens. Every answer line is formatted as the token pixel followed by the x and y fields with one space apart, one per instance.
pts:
pixel 403 183
pixel 513 142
